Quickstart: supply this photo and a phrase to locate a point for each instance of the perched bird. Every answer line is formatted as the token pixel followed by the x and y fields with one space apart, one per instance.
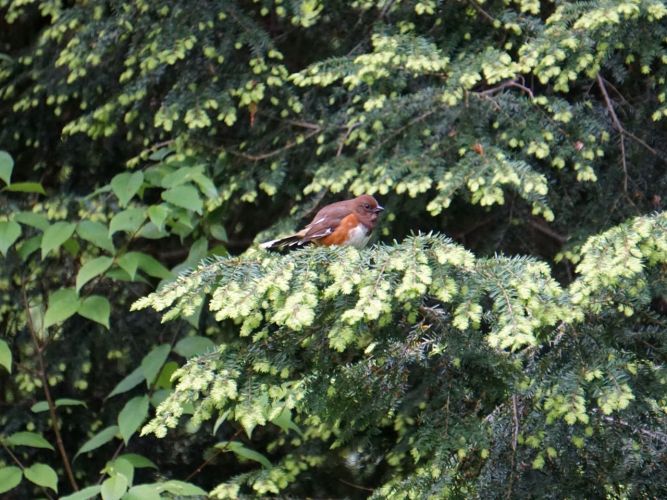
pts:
pixel 348 222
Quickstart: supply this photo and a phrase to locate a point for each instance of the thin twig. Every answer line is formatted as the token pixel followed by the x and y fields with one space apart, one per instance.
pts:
pixel 503 86
pixel 547 230
pixel 341 143
pixel 385 8
pixel 515 440
pixel 275 152
pixel 220 450
pixel 618 126
pixel 658 436
pixel 479 9
pixel 39 349
pixel 611 86
pixel 515 416
pixel 358 486
pixel 400 130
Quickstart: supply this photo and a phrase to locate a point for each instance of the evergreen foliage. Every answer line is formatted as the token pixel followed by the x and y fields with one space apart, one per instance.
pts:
pixel 504 337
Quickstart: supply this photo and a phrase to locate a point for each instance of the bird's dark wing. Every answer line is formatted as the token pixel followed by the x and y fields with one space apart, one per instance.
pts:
pixel 326 221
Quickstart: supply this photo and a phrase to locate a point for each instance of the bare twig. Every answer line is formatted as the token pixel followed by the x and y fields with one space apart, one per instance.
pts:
pixel 515 440
pixel 547 230
pixel 400 130
pixel 619 127
pixel 275 152
pixel 358 486
pixel 343 138
pixel 385 8
pixel 479 9
pixel 55 423
pixel 515 416
pixel 220 450
pixel 658 436
pixel 503 86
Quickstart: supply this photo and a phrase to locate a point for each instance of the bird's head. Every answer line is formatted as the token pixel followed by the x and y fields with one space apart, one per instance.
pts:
pixel 367 208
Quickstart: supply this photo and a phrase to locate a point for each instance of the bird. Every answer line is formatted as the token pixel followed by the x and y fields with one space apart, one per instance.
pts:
pixel 343 223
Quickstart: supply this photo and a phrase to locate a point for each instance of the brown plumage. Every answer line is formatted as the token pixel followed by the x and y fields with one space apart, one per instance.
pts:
pixel 348 222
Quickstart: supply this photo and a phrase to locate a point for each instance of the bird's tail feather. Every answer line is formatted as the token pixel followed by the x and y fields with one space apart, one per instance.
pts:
pixel 287 241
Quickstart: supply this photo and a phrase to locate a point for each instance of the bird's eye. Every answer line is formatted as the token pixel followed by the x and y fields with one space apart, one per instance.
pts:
pixel 367 206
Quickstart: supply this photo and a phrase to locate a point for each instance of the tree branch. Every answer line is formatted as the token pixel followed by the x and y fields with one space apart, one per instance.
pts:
pixel 39 349
pixel 618 126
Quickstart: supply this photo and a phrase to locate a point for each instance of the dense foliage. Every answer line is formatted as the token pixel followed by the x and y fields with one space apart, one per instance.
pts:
pixel 504 337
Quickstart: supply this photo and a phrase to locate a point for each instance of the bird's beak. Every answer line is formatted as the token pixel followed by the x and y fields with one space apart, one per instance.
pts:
pixel 378 209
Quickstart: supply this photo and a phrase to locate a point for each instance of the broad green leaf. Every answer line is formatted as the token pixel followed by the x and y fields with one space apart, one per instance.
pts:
pixel 42 475
pixel 284 421
pixel 40 407
pixel 29 246
pixel 129 382
pixel 99 439
pixel 26 187
pixel 6 166
pixel 158 214
pixel 96 233
pixel 114 487
pixel 179 176
pixel 9 233
pixel 130 263
pixel 96 308
pixel 104 189
pixel 219 232
pixel 55 235
pixel 31 439
pixel 44 406
pixel 164 378
pixel 128 220
pixel 126 185
pixel 153 267
pixel 197 252
pixel 192 346
pixel 143 492
pixel 132 416
pixel 123 467
pixel 160 154
pixel 220 420
pixel 72 246
pixel 62 304
pixel 5 356
pixel 33 219
pixel 92 268
pixel 118 274
pixel 205 184
pixel 184 197
pixel 36 312
pixel 84 494
pixel 153 361
pixel 151 232
pixel 138 461
pixel 181 488
pixel 238 448
pixel 10 477
pixel 160 395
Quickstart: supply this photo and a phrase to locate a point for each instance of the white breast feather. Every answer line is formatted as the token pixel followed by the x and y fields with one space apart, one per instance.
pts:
pixel 358 237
